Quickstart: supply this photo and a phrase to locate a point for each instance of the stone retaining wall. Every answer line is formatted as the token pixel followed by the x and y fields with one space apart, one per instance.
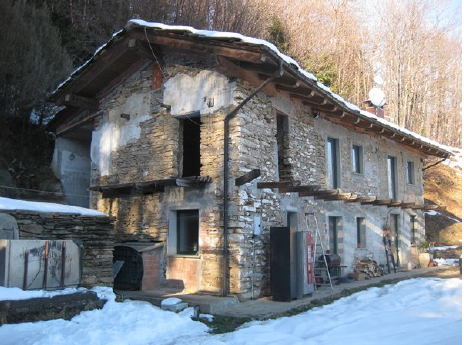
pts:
pixel 95 233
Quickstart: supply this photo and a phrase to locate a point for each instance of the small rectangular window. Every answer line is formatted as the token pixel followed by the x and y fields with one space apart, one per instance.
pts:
pixel 334 226
pixel 283 145
pixel 333 163
pixel 410 172
pixel 361 232
pixel 392 185
pixel 413 229
pixel 187 232
pixel 357 157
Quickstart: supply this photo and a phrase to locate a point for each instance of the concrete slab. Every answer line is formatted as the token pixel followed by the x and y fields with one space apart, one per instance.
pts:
pixel 208 304
pixel 265 308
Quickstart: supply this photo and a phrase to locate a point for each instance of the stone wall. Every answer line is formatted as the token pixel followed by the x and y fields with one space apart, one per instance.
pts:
pixel 95 233
pixel 257 148
pixel 138 137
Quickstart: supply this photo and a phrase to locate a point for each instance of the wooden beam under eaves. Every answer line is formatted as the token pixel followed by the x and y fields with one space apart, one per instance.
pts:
pixel 338 197
pixel 248 177
pixel 80 102
pixel 297 189
pixel 361 199
pixel 395 204
pixel 407 205
pixel 273 185
pixel 382 202
pixel 322 107
pixel 186 43
pixel 320 192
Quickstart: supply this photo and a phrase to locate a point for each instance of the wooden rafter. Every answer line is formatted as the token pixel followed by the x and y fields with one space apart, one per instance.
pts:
pixel 365 200
pixel 340 196
pixel 395 204
pixel 325 192
pixel 279 184
pixel 248 177
pixel 407 205
pixel 297 189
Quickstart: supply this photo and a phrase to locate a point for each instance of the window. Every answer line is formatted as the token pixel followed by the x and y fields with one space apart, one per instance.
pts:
pixel 187 232
pixel 191 146
pixel 395 232
pixel 413 228
pixel 357 157
pixel 410 172
pixel 392 185
pixel 334 227
pixel 283 145
pixel 361 232
pixel 333 163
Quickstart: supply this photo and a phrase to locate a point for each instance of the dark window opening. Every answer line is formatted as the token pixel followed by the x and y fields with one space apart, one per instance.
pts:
pixel 361 232
pixel 283 148
pixel 357 159
pixel 333 162
pixel 395 232
pixel 191 165
pixel 413 229
pixel 187 232
pixel 410 172
pixel 333 234
pixel 392 185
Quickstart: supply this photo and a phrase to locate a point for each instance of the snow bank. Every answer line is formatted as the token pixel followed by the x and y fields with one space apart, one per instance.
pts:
pixel 435 213
pixel 417 311
pixel 17 205
pixel 433 249
pixel 14 293
pixel 129 322
pixel 447 262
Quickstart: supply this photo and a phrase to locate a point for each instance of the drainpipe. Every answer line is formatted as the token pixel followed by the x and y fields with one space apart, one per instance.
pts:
pixel 229 117
pixel 434 164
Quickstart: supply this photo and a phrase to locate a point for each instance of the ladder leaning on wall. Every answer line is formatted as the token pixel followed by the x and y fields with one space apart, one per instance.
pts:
pixel 319 251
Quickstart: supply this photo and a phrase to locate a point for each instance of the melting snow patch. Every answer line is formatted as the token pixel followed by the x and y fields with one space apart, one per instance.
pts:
pixel 447 262
pixel 14 293
pixel 170 301
pixel 35 206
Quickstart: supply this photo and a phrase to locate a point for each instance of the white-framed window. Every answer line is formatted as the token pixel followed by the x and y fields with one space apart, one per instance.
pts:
pixel 333 163
pixel 357 159
pixel 392 178
pixel 334 228
pixel 410 173
pixel 361 232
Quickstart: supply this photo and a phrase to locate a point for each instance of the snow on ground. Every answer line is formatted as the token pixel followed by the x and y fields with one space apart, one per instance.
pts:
pixel 447 262
pixel 435 213
pixel 14 293
pixel 15 204
pixel 435 249
pixel 417 311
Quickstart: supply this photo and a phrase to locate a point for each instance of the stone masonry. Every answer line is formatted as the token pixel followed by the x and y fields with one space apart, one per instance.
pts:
pixel 137 137
pixel 95 234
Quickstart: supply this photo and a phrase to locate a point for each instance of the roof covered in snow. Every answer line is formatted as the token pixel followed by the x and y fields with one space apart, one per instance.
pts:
pixel 235 40
pixel 7 204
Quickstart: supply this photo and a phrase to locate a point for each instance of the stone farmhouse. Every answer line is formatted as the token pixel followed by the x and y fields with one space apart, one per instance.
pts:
pixel 198 142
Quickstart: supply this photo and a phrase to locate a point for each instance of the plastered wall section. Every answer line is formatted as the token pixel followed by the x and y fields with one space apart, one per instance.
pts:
pixel 145 144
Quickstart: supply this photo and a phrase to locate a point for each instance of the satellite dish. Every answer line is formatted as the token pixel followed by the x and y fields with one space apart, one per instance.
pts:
pixel 378 80
pixel 377 97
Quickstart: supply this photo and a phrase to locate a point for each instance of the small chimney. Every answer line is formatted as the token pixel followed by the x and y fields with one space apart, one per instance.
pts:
pixel 377 99
pixel 371 108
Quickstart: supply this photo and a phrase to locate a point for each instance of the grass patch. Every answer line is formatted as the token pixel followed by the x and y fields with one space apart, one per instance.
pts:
pixel 223 324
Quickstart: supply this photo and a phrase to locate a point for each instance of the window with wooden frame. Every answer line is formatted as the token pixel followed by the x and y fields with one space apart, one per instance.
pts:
pixel 361 232
pixel 392 178
pixel 333 163
pixel 410 172
pixel 357 159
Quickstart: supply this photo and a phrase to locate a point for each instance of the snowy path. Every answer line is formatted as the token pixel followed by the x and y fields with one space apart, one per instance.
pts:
pixel 416 311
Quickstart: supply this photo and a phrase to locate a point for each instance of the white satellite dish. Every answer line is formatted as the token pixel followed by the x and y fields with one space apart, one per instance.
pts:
pixel 377 97
pixel 378 80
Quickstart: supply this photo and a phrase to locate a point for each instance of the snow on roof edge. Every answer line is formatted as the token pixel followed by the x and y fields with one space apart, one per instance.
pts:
pixel 274 49
pixel 7 204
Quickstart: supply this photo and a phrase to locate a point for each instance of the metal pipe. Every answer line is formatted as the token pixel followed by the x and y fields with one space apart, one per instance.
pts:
pixel 253 270
pixel 229 117
pixel 434 164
